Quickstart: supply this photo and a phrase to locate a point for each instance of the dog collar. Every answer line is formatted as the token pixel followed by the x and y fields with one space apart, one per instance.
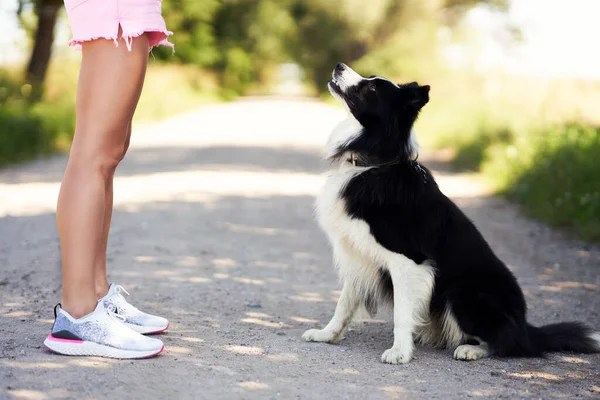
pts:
pixel 358 162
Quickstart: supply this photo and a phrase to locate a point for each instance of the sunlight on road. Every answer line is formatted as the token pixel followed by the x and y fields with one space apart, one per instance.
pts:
pixel 162 166
pixel 257 124
pixel 250 122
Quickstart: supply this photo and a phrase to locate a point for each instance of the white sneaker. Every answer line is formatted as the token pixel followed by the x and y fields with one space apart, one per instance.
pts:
pixel 139 321
pixel 98 334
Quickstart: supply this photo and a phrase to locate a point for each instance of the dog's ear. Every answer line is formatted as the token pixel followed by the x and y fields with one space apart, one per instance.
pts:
pixel 420 95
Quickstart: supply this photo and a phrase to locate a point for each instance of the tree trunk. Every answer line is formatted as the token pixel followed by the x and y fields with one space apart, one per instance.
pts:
pixel 47 12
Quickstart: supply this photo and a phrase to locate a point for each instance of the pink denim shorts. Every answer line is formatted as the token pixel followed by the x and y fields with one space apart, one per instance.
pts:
pixel 101 19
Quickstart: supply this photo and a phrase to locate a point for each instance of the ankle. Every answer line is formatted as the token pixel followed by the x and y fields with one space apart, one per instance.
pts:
pixel 78 309
pixel 102 289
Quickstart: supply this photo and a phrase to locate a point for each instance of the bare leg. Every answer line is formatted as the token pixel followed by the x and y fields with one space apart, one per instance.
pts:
pixel 100 266
pixel 110 83
pixel 413 285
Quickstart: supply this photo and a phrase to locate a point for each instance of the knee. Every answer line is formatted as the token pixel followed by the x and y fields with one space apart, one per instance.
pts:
pixel 102 161
pixel 125 148
pixel 107 163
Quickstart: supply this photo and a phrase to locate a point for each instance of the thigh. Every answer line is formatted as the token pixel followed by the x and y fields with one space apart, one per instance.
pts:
pixel 110 84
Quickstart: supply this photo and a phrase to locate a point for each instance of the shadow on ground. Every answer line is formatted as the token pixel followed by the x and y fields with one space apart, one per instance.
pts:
pixel 241 277
pixel 149 160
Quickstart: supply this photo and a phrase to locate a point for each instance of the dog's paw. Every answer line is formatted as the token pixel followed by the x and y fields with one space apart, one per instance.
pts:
pixel 321 335
pixel 397 355
pixel 467 352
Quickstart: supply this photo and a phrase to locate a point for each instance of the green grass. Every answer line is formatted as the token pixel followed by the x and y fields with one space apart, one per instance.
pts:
pixel 552 172
pixel 518 133
pixel 557 179
pixel 550 169
pixel 30 130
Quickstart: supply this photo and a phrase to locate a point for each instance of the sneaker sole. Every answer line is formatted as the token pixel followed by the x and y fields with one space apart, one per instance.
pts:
pixel 147 330
pixel 82 348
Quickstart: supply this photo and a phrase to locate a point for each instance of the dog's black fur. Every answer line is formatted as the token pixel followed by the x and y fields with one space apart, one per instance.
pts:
pixel 408 214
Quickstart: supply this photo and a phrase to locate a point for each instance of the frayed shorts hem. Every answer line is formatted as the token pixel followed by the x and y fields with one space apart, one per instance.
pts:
pixel 156 38
pixel 114 19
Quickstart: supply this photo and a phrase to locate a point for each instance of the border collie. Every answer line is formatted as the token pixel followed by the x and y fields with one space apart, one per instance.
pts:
pixel 397 238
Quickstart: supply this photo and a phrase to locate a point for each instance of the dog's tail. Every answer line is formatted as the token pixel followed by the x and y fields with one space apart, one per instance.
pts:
pixel 532 341
pixel 564 336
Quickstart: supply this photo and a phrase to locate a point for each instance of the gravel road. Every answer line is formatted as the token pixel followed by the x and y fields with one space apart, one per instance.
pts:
pixel 213 228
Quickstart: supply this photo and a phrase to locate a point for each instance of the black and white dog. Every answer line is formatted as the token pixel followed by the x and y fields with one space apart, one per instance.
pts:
pixel 396 237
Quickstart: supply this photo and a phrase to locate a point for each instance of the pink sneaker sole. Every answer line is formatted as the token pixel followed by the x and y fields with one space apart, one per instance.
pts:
pixel 82 348
pixel 160 330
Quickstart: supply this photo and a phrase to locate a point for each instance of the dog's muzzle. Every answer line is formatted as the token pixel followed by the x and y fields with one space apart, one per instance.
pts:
pixel 344 77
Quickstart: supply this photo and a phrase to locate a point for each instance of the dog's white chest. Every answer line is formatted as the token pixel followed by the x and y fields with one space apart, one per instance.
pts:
pixel 330 207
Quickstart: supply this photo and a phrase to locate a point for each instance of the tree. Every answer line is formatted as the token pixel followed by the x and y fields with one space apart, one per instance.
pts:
pixel 241 40
pixel 192 24
pixel 393 37
pixel 47 14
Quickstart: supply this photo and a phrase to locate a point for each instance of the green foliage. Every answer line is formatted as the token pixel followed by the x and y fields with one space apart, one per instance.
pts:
pixel 243 41
pixel 472 152
pixel 559 182
pixel 512 130
pixel 30 129
pixel 21 136
pixel 192 23
pixel 395 38
pixel 252 37
pixel 551 170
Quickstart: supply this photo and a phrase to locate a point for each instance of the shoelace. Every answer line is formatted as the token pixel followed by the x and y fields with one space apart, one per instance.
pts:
pixel 121 289
pixel 112 308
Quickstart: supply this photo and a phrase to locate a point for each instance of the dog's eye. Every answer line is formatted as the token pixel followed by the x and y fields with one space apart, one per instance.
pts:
pixel 372 87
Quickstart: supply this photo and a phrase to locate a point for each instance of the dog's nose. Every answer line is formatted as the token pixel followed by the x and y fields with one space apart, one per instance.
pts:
pixel 340 67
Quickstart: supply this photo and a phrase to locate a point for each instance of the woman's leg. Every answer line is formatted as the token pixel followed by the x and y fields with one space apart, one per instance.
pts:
pixel 110 83
pixel 102 285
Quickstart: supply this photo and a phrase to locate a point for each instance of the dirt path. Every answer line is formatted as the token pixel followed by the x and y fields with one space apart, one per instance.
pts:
pixel 213 228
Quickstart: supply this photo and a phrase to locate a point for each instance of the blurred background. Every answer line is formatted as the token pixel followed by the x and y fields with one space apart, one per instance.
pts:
pixel 515 83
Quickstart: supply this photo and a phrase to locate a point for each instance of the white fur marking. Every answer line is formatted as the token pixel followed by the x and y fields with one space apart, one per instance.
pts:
pixel 344 311
pixel 442 331
pixel 452 335
pixel 468 352
pixel 413 285
pixel 596 336
pixel 344 132
pixel 400 354
pixel 348 78
pixel 360 257
pixel 321 335
pixel 413 142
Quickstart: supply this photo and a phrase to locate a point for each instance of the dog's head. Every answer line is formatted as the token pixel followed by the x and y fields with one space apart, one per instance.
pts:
pixel 382 116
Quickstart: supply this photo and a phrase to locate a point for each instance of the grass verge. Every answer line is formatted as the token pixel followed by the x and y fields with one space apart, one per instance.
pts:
pixel 30 130
pixel 518 133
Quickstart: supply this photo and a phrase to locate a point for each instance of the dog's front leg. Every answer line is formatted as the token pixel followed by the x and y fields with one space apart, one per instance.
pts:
pixel 344 311
pixel 412 292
